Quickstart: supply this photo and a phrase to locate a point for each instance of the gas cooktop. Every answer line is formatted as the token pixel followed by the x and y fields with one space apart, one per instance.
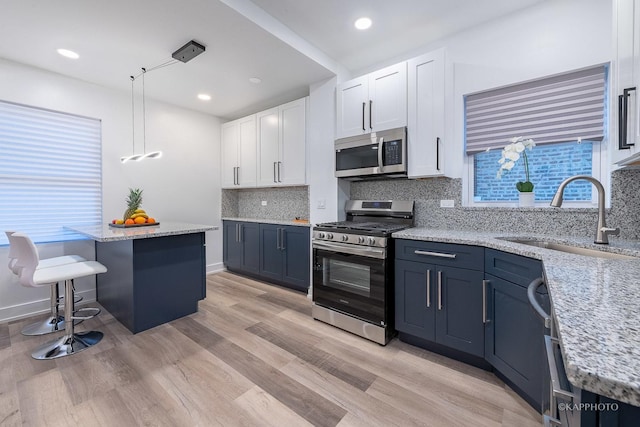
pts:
pixel 355 226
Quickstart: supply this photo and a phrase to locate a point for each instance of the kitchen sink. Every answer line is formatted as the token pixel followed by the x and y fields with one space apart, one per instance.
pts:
pixel 567 248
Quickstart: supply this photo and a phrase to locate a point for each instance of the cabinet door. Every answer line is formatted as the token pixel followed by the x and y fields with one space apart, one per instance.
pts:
pixel 230 141
pixel 232 248
pixel 459 309
pixel 387 98
pixel 291 169
pixel 249 239
pixel 268 147
pixel 270 253
pixel 426 106
pixel 296 269
pixel 247 152
pixel 514 337
pixel 414 299
pixel 352 107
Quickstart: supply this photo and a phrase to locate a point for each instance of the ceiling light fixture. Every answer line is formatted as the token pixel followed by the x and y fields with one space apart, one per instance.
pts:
pixel 184 54
pixel 204 97
pixel 68 53
pixel 255 80
pixel 363 23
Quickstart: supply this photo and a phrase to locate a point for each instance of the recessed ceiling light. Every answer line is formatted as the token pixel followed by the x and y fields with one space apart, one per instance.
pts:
pixel 362 23
pixel 204 97
pixel 255 80
pixel 68 53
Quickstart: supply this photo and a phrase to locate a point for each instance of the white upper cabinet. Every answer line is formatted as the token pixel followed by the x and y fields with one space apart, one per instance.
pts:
pixel 426 115
pixel 282 145
pixel 239 151
pixel 626 72
pixel 371 103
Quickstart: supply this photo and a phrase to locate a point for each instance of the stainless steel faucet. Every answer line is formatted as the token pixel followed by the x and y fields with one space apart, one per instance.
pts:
pixel 602 232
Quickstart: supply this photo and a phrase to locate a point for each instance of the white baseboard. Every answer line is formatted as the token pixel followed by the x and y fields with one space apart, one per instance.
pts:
pixel 32 308
pixel 215 268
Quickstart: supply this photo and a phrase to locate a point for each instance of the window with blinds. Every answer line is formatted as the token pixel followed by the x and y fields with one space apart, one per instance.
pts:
pixel 50 172
pixel 566 117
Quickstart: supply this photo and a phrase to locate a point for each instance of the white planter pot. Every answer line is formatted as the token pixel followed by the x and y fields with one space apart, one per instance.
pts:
pixel 527 200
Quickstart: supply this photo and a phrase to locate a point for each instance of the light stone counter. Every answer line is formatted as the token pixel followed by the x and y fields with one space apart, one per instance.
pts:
pixel 596 303
pixel 105 233
pixel 269 221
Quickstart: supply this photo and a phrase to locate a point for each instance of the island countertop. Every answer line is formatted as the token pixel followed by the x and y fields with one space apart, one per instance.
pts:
pixel 106 233
pixel 596 303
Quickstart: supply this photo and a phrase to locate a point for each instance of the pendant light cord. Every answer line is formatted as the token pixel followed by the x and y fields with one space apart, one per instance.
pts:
pixel 133 121
pixel 144 117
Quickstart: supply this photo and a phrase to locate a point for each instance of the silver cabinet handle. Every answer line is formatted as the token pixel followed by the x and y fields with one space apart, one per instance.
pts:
pixel 274 171
pixel 234 175
pixel 549 421
pixel 238 175
pixel 279 166
pixel 531 295
pixel 428 288
pixel 237 232
pixel 485 319
pixel 282 231
pixel 439 290
pixel 436 254
pixel 241 232
pixel 556 389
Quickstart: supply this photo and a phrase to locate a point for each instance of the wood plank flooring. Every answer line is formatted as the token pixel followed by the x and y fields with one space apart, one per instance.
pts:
pixel 251 356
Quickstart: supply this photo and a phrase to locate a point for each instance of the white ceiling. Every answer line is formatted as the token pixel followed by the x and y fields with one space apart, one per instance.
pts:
pixel 116 38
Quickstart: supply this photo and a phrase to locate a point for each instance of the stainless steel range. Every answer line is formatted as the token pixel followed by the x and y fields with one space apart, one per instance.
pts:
pixel 353 267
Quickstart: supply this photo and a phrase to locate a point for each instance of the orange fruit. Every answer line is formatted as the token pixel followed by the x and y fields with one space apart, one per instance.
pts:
pixel 140 220
pixel 129 221
pixel 150 220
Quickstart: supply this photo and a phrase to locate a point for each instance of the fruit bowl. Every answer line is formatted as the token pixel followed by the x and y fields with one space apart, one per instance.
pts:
pixel 132 225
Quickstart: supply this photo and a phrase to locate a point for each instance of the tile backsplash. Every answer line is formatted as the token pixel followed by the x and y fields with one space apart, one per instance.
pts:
pixel 427 193
pixel 283 203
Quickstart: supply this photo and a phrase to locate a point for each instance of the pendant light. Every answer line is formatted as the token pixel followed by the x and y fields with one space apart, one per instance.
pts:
pixel 184 54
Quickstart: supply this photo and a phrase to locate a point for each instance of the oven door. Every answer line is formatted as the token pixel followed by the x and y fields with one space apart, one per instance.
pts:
pixel 351 279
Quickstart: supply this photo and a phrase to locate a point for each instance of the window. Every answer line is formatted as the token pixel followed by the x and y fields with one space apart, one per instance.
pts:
pixel 50 172
pixel 564 115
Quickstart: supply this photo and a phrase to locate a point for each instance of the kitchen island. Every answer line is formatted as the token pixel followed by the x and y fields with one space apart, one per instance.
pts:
pixel 155 274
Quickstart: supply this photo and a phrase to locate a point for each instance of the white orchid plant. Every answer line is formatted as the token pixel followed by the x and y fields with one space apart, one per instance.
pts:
pixel 511 154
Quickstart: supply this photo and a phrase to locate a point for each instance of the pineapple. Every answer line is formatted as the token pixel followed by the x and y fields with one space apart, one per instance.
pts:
pixel 133 202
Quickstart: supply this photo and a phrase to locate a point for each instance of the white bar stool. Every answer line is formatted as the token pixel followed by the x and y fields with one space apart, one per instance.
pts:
pixel 32 276
pixel 55 321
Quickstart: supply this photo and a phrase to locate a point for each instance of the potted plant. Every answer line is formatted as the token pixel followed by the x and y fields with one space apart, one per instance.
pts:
pixel 511 153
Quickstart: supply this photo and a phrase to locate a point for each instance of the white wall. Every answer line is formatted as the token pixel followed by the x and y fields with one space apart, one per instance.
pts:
pixel 182 186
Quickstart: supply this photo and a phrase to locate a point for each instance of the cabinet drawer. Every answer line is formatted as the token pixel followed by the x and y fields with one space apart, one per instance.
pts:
pixel 514 268
pixel 448 254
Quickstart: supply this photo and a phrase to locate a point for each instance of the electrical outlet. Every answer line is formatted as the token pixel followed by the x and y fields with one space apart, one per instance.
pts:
pixel 447 203
pixel 264 203
pixel 322 203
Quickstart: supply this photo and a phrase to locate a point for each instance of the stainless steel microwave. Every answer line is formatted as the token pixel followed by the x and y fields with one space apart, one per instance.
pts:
pixel 377 154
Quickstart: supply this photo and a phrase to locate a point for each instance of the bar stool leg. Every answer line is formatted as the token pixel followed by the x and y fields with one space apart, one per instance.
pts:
pixel 71 342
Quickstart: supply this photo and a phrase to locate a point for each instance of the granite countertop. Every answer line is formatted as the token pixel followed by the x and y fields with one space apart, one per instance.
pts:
pixel 596 303
pixel 105 233
pixel 269 221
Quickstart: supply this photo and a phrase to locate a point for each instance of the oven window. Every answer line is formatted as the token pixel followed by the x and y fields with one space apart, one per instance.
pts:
pixel 347 276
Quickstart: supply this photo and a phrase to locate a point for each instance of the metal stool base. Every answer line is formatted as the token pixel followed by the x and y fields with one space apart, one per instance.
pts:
pixel 47 326
pixel 67 345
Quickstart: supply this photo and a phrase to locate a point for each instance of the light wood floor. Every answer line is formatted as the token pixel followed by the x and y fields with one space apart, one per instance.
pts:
pixel 252 355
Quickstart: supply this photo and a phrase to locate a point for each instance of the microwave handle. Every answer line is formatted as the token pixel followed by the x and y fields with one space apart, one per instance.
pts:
pixel 380 160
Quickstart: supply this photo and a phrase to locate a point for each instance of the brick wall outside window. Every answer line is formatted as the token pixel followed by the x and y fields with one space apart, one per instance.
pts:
pixel 548 165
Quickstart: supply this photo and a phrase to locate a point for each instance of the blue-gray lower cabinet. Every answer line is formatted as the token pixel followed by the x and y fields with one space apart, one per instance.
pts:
pixel 514 334
pixel 435 299
pixel 284 255
pixel 241 250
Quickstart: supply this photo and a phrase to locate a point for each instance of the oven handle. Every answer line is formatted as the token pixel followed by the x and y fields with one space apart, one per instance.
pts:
pixel 365 251
pixel 556 389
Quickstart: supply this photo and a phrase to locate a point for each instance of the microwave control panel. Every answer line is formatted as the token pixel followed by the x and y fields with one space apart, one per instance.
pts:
pixel 392 153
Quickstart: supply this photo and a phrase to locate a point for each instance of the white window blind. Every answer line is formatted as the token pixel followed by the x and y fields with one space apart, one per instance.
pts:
pixel 50 172
pixel 555 109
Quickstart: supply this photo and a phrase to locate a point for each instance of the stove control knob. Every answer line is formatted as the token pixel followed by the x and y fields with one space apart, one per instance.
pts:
pixel 329 236
pixel 361 239
pixel 371 241
pixel 345 237
pixel 321 235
